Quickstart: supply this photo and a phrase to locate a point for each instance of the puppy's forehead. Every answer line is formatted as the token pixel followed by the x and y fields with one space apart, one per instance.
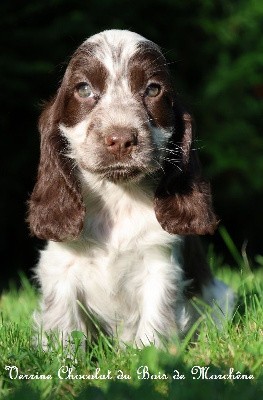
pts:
pixel 115 48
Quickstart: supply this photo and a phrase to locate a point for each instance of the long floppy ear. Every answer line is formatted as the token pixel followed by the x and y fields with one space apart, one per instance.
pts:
pixel 183 202
pixel 56 210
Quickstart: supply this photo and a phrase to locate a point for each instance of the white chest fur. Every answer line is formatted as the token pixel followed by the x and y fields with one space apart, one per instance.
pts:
pixel 124 268
pixel 122 218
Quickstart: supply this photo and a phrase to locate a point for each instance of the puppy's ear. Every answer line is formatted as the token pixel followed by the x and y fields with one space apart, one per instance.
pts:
pixel 183 202
pixel 56 210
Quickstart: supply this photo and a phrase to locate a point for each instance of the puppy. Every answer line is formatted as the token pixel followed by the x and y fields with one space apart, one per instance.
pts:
pixel 120 199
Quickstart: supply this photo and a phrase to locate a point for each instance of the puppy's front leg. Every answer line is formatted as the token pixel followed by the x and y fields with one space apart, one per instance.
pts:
pixel 159 295
pixel 59 312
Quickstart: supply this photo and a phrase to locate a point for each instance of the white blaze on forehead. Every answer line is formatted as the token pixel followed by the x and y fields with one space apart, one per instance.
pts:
pixel 116 47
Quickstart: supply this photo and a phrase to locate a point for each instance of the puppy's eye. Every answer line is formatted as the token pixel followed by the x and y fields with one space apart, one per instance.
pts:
pixel 84 90
pixel 153 90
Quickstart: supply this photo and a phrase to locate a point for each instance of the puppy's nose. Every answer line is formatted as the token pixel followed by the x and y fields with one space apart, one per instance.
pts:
pixel 121 143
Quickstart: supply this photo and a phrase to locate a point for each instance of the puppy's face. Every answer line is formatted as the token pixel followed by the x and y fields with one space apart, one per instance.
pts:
pixel 115 106
pixel 115 117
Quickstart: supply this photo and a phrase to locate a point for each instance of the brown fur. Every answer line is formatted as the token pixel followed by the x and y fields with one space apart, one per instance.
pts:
pixel 183 203
pixel 56 210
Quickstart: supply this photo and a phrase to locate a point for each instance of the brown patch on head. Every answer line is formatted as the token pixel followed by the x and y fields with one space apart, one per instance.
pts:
pixel 83 67
pixel 148 66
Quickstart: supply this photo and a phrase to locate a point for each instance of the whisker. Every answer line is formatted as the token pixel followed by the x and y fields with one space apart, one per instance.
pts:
pixel 176 151
pixel 173 163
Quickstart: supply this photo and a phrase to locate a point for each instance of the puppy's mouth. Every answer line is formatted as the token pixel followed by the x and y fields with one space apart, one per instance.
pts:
pixel 121 174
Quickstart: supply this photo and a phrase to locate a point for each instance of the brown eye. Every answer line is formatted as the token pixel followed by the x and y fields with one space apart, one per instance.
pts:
pixel 84 90
pixel 153 90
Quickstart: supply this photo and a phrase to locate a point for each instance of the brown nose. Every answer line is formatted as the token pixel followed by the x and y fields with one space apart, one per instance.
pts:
pixel 121 143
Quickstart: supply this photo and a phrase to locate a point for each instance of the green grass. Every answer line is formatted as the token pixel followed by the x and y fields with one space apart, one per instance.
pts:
pixel 239 346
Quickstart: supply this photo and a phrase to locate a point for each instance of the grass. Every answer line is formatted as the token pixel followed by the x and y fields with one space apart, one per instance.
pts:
pixel 239 346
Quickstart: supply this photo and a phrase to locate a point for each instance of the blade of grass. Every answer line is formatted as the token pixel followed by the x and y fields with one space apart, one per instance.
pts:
pixel 231 246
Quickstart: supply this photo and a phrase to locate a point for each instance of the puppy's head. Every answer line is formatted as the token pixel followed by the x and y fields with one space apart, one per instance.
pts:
pixel 115 115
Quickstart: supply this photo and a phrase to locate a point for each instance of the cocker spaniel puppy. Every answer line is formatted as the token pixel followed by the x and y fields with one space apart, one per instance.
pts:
pixel 120 199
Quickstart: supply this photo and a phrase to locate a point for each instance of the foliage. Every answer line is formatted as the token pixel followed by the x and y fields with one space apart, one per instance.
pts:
pixel 232 94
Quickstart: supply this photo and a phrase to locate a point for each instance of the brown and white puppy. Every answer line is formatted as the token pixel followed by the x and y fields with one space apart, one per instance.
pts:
pixel 119 186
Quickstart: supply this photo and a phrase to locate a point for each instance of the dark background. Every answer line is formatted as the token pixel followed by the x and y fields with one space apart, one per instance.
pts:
pixel 216 53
